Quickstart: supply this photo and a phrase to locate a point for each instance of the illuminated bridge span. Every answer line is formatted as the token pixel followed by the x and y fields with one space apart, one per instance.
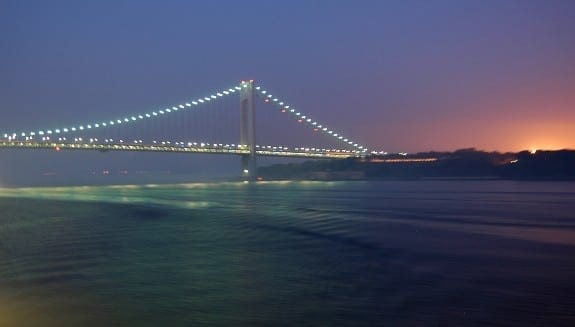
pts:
pixel 187 148
pixel 180 129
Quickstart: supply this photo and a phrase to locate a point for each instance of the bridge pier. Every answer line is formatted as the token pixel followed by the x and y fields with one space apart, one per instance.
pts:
pixel 247 129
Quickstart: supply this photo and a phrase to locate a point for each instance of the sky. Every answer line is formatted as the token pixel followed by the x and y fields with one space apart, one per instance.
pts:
pixel 394 75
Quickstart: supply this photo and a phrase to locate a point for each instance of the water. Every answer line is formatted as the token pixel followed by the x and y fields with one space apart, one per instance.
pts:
pixel 289 253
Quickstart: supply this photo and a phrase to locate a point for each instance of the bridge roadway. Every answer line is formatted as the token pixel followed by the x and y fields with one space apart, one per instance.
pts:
pixel 238 150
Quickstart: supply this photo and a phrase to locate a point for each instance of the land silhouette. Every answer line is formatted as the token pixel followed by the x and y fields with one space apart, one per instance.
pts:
pixel 460 164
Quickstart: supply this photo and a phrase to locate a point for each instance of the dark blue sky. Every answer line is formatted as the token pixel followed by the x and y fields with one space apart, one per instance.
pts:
pixel 395 75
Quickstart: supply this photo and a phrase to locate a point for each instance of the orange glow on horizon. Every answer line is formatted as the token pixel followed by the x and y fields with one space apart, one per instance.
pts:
pixel 500 135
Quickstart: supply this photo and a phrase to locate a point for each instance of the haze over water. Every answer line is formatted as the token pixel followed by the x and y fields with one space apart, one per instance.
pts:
pixel 289 253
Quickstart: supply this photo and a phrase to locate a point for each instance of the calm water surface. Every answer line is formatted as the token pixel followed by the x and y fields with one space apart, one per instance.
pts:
pixel 289 253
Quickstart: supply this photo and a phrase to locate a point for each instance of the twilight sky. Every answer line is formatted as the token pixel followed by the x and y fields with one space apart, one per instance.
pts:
pixel 395 75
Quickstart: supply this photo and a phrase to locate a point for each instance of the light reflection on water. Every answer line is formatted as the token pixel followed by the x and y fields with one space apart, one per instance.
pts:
pixel 289 253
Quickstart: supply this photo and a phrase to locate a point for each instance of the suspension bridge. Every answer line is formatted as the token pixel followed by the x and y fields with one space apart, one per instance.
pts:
pixel 181 128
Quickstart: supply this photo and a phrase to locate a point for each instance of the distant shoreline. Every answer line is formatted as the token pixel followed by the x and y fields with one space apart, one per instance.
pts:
pixel 465 164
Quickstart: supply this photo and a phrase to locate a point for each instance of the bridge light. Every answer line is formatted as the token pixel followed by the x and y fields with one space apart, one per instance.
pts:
pixel 48 131
pixel 200 100
pixel 126 120
pixel 207 99
pixel 161 112
pixel 308 120
pixel 148 115
pixel 219 94
pixel 39 132
pixel 334 134
pixel 119 121
pixel 246 171
pixel 96 125
pixel 57 131
pixel 188 104
pixel 167 110
pixel 154 113
pixel 213 97
pixel 194 103
pixel 264 91
pixel 297 114
pixel 181 107
pixel 232 90
pixel 226 92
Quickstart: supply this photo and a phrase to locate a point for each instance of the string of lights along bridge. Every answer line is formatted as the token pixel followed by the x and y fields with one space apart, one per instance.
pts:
pixel 211 129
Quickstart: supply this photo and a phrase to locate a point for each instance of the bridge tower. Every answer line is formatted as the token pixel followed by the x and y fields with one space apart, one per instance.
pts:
pixel 247 129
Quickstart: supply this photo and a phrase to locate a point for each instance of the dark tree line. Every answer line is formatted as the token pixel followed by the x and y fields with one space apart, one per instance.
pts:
pixel 465 163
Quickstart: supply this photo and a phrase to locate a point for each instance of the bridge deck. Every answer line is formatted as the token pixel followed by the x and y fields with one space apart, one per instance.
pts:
pixel 318 154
